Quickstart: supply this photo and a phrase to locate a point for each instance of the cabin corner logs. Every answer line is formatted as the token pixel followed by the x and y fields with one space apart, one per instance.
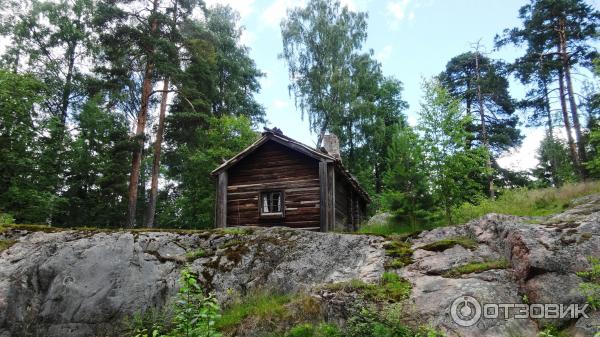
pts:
pixel 280 182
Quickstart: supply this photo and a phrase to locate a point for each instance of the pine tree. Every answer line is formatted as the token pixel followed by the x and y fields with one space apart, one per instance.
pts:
pixel 559 33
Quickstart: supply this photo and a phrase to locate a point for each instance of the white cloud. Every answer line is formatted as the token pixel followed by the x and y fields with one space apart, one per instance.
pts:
pixel 275 12
pixel 524 157
pixel 350 4
pixel 248 38
pixel 401 10
pixel 279 104
pixel 244 7
pixel 384 54
pixel 273 15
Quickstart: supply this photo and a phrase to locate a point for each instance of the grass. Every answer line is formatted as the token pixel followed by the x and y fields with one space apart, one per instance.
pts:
pixel 441 245
pixel 477 267
pixel 261 306
pixel 5 244
pixel 528 202
pixel 391 288
pixel 195 254
pixel 401 253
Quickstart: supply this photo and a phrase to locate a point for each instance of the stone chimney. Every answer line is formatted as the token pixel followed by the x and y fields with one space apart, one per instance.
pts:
pixel 331 144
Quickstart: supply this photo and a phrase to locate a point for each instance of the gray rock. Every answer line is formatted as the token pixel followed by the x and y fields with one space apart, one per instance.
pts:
pixel 77 283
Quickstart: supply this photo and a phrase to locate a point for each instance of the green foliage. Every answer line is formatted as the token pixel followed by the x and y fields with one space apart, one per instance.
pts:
pixel 460 78
pixel 194 314
pixel 401 252
pixel 590 288
pixel 527 202
pixel 455 170
pixel 555 167
pixel 477 267
pixel 310 330
pixel 6 219
pixel 406 192
pixel 391 288
pixel 26 190
pixel 444 244
pixel 195 254
pixel 190 203
pixel 149 323
pixel 5 244
pixel 552 331
pixel 371 323
pixel 96 180
pixel 260 306
pixel 341 88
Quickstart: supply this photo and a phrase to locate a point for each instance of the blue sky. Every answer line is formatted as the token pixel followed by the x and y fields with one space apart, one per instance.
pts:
pixel 411 38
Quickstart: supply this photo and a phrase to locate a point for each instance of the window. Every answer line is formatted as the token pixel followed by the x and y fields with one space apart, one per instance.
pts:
pixel 271 203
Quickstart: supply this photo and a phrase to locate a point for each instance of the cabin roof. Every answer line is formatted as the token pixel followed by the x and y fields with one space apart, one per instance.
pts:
pixel 278 137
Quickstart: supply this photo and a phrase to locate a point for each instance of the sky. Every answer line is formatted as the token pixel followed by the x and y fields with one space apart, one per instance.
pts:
pixel 413 39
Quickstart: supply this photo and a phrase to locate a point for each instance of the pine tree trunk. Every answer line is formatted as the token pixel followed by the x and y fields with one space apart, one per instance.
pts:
pixel 136 161
pixel 571 94
pixel 553 163
pixel 66 93
pixel 567 121
pixel 484 136
pixel 157 151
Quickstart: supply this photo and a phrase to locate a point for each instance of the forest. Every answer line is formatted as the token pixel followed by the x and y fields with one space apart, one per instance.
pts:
pixel 114 113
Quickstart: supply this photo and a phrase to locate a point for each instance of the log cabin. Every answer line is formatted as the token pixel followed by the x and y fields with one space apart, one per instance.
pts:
pixel 278 181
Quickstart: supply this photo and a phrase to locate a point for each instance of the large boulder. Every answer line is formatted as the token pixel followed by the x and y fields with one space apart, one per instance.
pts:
pixel 83 283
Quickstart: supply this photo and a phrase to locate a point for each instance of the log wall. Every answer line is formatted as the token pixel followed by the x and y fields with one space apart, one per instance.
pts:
pixel 274 167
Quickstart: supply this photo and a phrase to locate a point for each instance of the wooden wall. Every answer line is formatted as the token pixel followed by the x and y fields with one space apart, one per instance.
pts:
pixel 343 199
pixel 274 167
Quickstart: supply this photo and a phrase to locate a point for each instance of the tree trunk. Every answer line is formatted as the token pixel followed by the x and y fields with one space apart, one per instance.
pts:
pixel 322 134
pixel 157 151
pixel 572 104
pixel 553 163
pixel 484 136
pixel 136 160
pixel 66 93
pixel 563 106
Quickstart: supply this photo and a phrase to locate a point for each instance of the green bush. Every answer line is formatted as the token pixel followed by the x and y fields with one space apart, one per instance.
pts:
pixel 591 287
pixel 193 314
pixel 261 306
pixel 6 219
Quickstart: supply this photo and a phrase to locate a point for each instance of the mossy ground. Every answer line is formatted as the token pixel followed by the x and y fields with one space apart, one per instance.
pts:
pixel 477 267
pixel 391 288
pixel 5 244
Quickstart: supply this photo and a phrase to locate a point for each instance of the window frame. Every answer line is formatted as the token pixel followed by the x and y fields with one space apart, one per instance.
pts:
pixel 279 214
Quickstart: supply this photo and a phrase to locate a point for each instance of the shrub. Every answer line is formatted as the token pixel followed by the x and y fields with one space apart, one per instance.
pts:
pixel 6 219
pixel 591 287
pixel 261 306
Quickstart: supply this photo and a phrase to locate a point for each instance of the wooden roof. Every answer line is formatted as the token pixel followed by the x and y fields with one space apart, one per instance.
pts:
pixel 278 137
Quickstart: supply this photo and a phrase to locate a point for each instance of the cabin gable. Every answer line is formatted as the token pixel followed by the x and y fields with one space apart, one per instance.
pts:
pixel 278 181
pixel 271 170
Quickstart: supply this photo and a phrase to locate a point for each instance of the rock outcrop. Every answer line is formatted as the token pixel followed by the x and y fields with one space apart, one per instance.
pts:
pixel 82 283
